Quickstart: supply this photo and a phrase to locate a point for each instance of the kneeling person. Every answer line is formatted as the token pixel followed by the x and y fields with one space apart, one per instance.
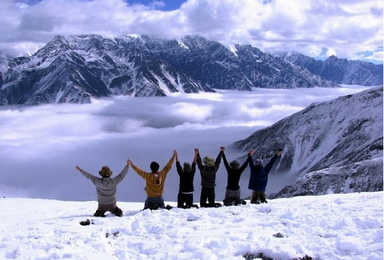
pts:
pixel 106 189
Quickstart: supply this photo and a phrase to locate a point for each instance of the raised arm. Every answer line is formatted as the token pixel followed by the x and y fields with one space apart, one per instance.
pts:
pixel 268 167
pixel 218 158
pixel 86 174
pixel 251 165
pixel 137 169
pixel 249 158
pixel 226 164
pixel 195 156
pixel 123 173
pixel 178 166
pixel 168 166
pixel 198 160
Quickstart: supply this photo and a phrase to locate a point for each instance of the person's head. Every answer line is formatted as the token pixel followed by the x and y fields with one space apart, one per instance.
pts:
pixel 187 167
pixel 105 172
pixel 234 165
pixel 154 166
pixel 208 161
pixel 258 162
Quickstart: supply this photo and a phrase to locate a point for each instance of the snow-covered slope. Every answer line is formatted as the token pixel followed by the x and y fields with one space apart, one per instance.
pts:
pixel 76 68
pixel 341 71
pixel 337 133
pixel 337 227
pixel 356 177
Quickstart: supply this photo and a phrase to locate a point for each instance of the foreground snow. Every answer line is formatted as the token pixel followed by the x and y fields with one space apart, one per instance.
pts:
pixel 339 226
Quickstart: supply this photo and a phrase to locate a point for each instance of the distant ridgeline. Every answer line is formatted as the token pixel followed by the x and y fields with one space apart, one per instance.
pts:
pixel 74 69
pixel 329 147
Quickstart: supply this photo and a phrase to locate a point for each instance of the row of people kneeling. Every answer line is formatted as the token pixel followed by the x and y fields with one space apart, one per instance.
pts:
pixel 208 167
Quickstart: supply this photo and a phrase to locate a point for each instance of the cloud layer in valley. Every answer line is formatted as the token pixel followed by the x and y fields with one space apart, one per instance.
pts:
pixel 40 146
pixel 317 28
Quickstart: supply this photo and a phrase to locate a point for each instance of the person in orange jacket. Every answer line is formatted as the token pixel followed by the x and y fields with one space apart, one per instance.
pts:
pixel 154 182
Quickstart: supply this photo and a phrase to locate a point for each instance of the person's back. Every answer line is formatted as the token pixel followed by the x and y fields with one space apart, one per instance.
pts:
pixel 258 179
pixel 186 188
pixel 208 178
pixel 106 189
pixel 154 183
pixel 233 192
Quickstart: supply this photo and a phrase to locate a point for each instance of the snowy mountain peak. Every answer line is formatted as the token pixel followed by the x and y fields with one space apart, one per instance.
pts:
pixel 142 66
pixel 341 71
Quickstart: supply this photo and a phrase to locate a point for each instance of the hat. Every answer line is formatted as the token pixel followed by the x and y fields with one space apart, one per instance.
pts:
pixel 187 167
pixel 235 165
pixel 105 172
pixel 258 162
pixel 208 161
pixel 154 166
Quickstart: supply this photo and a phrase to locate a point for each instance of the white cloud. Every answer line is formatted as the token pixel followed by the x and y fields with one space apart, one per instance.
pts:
pixel 346 28
pixel 40 146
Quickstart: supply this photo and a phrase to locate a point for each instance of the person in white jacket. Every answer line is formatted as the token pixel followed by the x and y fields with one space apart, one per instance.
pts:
pixel 106 189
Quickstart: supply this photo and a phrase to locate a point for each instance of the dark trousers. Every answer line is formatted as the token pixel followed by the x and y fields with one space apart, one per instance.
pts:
pixel 257 197
pixel 184 200
pixel 232 197
pixel 207 194
pixel 104 208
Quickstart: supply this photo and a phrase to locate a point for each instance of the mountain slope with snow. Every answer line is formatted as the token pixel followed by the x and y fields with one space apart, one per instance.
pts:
pixel 73 69
pixel 341 71
pixel 336 133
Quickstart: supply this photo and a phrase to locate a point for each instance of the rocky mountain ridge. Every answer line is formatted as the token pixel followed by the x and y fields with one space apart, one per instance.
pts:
pixel 337 134
pixel 340 71
pixel 75 69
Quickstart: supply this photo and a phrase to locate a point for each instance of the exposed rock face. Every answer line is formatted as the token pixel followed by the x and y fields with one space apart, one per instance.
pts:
pixel 340 71
pixel 339 135
pixel 363 176
pixel 75 69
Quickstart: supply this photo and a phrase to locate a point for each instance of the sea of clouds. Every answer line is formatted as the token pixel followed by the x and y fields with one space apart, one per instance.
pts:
pixel 40 146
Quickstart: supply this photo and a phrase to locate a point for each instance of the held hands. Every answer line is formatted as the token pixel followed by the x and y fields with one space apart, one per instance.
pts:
pixel 222 149
pixel 278 153
pixel 251 152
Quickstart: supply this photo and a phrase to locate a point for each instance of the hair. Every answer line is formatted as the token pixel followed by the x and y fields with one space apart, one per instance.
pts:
pixel 154 166
pixel 187 167
pixel 234 164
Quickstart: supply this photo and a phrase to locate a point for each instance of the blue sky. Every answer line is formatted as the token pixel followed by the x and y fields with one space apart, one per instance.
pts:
pixel 167 5
pixel 318 28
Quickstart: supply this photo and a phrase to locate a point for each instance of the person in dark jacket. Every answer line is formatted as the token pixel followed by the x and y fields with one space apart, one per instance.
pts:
pixel 259 177
pixel 187 174
pixel 233 192
pixel 208 178
pixel 106 189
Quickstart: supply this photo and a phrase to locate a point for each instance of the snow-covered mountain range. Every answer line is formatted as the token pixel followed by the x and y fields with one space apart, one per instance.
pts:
pixel 340 71
pixel 339 142
pixel 75 68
